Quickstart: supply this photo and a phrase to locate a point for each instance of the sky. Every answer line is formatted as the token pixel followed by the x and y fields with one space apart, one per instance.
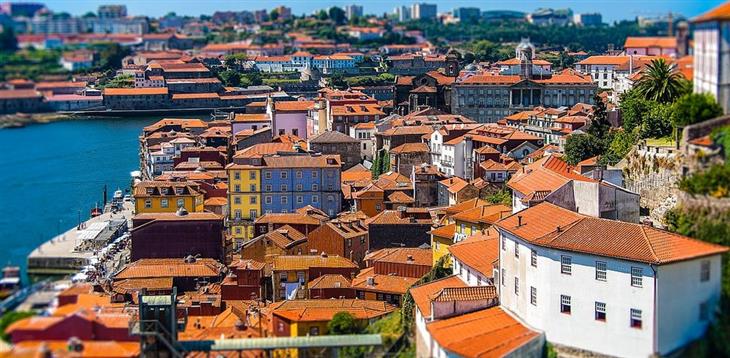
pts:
pixel 611 10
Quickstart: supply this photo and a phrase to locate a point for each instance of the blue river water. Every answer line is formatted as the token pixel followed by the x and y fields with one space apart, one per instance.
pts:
pixel 51 173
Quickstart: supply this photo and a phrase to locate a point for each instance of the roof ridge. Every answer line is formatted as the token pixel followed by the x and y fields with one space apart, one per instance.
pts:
pixel 648 243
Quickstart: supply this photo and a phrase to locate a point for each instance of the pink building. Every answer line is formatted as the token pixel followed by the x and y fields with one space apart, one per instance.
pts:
pixel 289 117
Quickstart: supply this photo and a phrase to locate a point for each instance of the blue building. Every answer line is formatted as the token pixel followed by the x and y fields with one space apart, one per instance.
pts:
pixel 290 182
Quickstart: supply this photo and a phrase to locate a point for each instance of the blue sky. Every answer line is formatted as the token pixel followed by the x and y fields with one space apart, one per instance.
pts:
pixel 611 10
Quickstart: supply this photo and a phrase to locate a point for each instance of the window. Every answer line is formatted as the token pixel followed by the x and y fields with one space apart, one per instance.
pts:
pixel 636 276
pixel 315 187
pixel 253 213
pixel 284 200
pixel 236 175
pixel 601 270
pixel 252 175
pixel 163 203
pixel 300 199
pixel 283 175
pixel 533 258
pixel 267 175
pixel 517 250
pixel 252 199
pixel 180 203
pixel 236 199
pixel 565 264
pixel 252 188
pixel 463 229
pixel 237 188
pixel 267 200
pixel 284 187
pixel 377 207
pixel 503 276
pixel 314 174
pixel 315 198
pixel 148 203
pixel 705 271
pixel 299 187
pixel 268 187
pixel 635 318
pixel 314 331
pixel 600 311
pixel 533 295
pixel 504 243
pixel 517 286
pixel 299 174
pixel 565 304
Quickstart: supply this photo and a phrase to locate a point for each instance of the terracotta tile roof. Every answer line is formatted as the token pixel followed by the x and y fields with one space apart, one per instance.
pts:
pixel 251 117
pixel 478 251
pixel 704 141
pixel 545 175
pixel 604 60
pixel 304 262
pixel 288 218
pixel 454 184
pixel 471 293
pixel 649 41
pixel 492 79
pixel 719 13
pixel 357 109
pixel 392 217
pixel 382 283
pixel 150 188
pixel 332 137
pixel 404 80
pixel 248 264
pixel 492 165
pixel 469 204
pixel 325 309
pixel 293 106
pixel 329 281
pixel 365 125
pixel 424 89
pixel 403 255
pixel 152 268
pixel 283 237
pixel 446 231
pixel 135 91
pixel 441 78
pixel 567 76
pixel 516 61
pixel 408 130
pixel 410 148
pixel 261 149
pixel 487 333
pixel 303 161
pixel 356 173
pixel 551 226
pixel 17 94
pixel 485 214
pixel 182 122
pixel 136 284
pixel 400 198
pixel 347 228
pixel 423 294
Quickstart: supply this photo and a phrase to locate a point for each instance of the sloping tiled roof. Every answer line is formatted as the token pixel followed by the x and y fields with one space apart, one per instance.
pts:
pixel 719 13
pixel 304 262
pixel 478 251
pixel 329 281
pixel 423 294
pixel 465 205
pixel 651 41
pixel 332 137
pixel 487 333
pixel 287 218
pixel 487 214
pixel 293 106
pixel 471 293
pixel 410 148
pixel 400 198
pixel 454 184
pixel 544 175
pixel 151 268
pixel 325 309
pixel 382 283
pixel 446 231
pixel 551 226
pixel 401 255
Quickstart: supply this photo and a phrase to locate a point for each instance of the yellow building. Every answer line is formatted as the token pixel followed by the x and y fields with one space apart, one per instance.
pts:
pixel 441 238
pixel 473 221
pixel 244 199
pixel 154 196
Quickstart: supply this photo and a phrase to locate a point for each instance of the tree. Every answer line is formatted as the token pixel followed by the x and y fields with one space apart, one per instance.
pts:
pixel 600 124
pixel 694 108
pixel 9 318
pixel 633 107
pixel 8 41
pixel 385 162
pixel 579 147
pixel 619 146
pixel 274 15
pixel 661 82
pixel 337 15
pixel 342 323
pixel 322 15
pixel 656 122
pixel 230 78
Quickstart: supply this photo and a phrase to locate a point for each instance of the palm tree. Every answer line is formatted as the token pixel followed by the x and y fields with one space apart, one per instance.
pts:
pixel 661 82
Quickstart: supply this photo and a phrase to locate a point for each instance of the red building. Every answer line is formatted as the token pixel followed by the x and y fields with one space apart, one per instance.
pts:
pixel 343 237
pixel 169 235
pixel 246 281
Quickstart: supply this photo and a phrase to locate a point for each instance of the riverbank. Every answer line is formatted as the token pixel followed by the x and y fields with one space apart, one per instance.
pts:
pixel 20 120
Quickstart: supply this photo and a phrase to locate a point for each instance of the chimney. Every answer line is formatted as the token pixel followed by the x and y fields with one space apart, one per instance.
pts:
pixel 323 254
pixel 558 229
pixel 401 212
pixel 371 281
pixel 519 220
pixel 410 259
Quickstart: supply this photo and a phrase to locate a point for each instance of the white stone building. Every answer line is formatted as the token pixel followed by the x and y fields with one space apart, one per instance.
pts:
pixel 712 54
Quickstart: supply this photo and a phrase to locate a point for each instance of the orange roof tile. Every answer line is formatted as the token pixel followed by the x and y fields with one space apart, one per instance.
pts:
pixel 551 226
pixel 486 214
pixel 304 262
pixel 650 41
pixel 59 348
pixel 604 60
pixel 469 204
pixel 454 184
pixel 487 333
pixel 325 309
pixel 423 294
pixel 721 12
pixel 329 281
pixel 409 255
pixel 135 91
pixel 293 106
pixel 382 283
pixel 478 251
pixel 410 148
pixel 400 198
pixel 288 218
pixel 150 268
pixel 446 231
pixel 471 293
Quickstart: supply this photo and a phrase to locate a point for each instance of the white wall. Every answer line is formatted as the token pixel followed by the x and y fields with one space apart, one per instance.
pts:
pixel 579 329
pixel 680 293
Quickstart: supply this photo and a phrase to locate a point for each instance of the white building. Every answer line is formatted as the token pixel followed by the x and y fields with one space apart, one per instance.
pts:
pixel 712 54
pixel 353 11
pixel 606 286
pixel 365 133
pixel 161 160
pixel 601 68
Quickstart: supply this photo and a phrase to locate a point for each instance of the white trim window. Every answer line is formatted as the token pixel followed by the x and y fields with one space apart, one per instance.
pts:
pixel 565 264
pixel 637 274
pixel 601 270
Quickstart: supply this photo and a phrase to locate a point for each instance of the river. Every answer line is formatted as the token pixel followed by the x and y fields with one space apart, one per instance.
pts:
pixel 50 172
